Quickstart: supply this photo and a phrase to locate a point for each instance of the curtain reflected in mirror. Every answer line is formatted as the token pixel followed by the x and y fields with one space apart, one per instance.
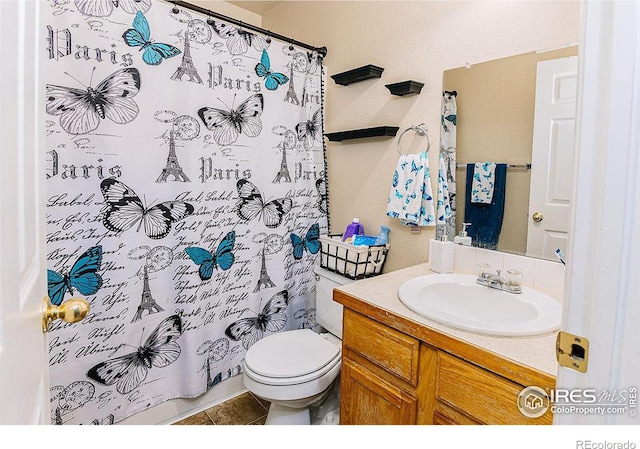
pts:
pixel 447 167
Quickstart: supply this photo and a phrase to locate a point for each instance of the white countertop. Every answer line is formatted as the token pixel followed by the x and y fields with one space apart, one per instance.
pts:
pixel 382 292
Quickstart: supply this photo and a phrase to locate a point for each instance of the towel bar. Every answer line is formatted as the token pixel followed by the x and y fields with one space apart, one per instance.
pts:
pixel 526 166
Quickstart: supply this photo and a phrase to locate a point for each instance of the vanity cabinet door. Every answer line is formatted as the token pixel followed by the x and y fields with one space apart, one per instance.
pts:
pixel 440 420
pixel 480 394
pixel 368 399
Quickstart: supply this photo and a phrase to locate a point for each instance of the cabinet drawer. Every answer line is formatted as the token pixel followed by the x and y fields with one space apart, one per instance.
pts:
pixel 383 346
pixel 487 397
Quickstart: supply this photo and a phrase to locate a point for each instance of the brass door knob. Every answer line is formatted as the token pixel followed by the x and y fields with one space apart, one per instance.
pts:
pixel 537 217
pixel 71 311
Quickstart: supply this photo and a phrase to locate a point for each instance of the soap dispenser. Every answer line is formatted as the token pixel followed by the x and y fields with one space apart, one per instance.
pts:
pixel 462 238
pixel 441 255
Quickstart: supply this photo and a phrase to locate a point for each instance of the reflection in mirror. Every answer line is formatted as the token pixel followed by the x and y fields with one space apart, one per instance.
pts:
pixel 519 113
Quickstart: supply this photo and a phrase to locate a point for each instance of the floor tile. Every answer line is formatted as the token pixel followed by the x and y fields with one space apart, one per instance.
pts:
pixel 266 404
pixel 242 409
pixel 199 419
pixel 259 421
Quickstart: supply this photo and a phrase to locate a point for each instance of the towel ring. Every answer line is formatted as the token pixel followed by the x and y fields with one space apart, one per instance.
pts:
pixel 421 130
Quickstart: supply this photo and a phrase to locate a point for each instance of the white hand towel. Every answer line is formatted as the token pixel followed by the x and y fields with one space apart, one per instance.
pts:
pixel 410 196
pixel 484 176
pixel 444 206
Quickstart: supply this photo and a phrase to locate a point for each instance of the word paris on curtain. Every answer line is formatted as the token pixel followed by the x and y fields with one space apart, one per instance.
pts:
pixel 185 197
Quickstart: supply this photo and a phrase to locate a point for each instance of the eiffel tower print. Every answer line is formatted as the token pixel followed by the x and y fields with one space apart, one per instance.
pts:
pixel 264 281
pixel 173 167
pixel 212 382
pixel 147 303
pixel 186 67
pixel 292 96
pixel 284 169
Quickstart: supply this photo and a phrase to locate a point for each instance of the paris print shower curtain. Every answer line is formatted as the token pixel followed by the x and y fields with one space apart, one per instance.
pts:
pixel 448 124
pixel 185 197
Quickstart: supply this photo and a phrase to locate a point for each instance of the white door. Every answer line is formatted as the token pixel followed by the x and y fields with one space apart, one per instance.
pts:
pixel 24 375
pixel 601 300
pixel 552 157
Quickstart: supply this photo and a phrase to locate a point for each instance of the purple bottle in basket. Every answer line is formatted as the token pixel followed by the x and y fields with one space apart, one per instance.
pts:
pixel 355 228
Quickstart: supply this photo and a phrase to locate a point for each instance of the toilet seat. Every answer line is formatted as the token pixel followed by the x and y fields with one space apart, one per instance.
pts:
pixel 290 358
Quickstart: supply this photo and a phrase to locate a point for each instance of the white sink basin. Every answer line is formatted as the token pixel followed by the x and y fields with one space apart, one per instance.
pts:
pixel 456 300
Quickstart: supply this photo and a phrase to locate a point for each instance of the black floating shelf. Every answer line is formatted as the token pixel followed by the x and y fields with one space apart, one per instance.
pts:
pixel 379 131
pixel 405 88
pixel 359 74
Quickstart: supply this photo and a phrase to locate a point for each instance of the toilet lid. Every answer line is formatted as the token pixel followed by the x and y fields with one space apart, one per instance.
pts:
pixel 290 354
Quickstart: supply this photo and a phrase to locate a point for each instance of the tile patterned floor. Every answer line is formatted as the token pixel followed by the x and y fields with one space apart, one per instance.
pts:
pixel 240 410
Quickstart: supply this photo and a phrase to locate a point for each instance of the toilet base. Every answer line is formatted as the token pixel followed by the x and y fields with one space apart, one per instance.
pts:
pixel 281 415
pixel 325 409
pixel 327 412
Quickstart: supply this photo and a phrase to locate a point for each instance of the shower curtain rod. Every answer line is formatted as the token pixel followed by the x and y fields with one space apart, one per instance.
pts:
pixel 321 50
pixel 527 166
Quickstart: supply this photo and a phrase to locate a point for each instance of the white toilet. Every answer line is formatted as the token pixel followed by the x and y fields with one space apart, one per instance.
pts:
pixel 296 369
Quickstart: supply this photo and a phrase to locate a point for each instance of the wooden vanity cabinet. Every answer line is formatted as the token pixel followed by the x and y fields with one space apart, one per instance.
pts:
pixel 384 373
pixel 390 377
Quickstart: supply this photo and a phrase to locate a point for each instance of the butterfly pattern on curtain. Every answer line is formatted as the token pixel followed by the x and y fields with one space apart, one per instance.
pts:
pixel 448 125
pixel 186 195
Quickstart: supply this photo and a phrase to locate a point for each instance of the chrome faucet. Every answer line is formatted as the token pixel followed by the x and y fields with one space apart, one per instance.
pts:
pixel 496 281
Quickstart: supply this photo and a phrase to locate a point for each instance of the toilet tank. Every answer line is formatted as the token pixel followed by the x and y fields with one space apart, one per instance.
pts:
pixel 329 312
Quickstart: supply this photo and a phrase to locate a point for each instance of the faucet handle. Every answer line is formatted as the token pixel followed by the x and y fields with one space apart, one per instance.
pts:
pixel 482 268
pixel 498 271
pixel 514 277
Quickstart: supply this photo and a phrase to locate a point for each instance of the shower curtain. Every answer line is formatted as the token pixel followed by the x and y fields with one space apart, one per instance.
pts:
pixel 448 123
pixel 185 197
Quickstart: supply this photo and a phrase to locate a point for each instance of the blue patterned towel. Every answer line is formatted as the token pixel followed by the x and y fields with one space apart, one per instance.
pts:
pixel 486 219
pixel 410 196
pixel 484 175
pixel 444 206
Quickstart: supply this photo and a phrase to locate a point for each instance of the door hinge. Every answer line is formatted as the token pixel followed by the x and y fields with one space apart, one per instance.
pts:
pixel 572 351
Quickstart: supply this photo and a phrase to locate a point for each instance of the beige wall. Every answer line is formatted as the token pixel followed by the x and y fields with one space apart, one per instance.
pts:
pixel 415 40
pixel 496 102
pixel 229 10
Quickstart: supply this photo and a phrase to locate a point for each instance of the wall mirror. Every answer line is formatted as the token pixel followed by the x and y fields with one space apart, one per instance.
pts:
pixel 519 111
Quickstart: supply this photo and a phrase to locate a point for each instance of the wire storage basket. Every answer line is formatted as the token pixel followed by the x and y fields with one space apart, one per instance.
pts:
pixel 353 262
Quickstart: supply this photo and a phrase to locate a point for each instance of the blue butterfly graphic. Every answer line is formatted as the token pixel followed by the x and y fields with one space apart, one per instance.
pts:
pixel 272 80
pixel 407 184
pixel 310 242
pixel 399 195
pixel 451 118
pixel 223 257
pixel 82 277
pixel 414 168
pixel 396 179
pixel 140 36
